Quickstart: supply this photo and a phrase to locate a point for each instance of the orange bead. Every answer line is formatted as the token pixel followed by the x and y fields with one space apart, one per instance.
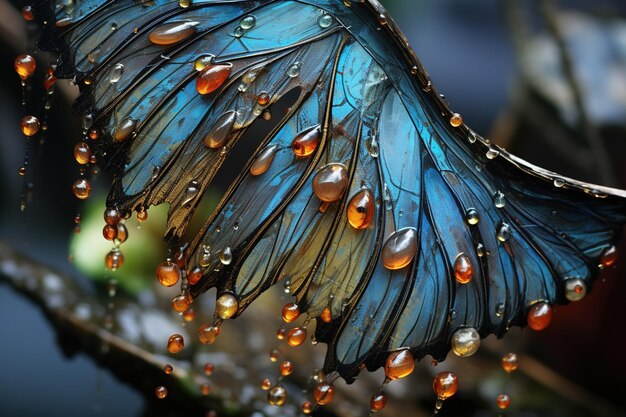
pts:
pixel 399 364
pixel 189 314
pixel 122 233
pixel 207 334
pixel 327 315
pixel 124 129
pixel 168 274
pixel 286 368
pixel 378 402
pixel 175 343
pixel 27 13
pixel 30 125
pixel 160 392
pixel 93 134
pixel 330 182
pixel 263 99
pixel 25 66
pixel 171 33
pixel 81 189
pixel 82 153
pixel 168 369
pixel 112 216
pixel 109 232
pixel 306 407
pixel 400 249
pixel 266 384
pixel 142 215
pixel 181 302
pixel 194 276
pixel 360 210
pixel 609 257
pixel 539 316
pixel 212 77
pixel 463 269
pixel 114 260
pixel 205 389
pixel 445 385
pixel 291 312
pixel 323 393
pixel 503 401
pixel 49 81
pixel 281 333
pixel 305 142
pixel 510 363
pixel 209 368
pixel 296 336
pixel 456 120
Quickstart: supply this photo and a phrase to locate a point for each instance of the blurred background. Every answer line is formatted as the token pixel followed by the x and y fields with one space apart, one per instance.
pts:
pixel 94 346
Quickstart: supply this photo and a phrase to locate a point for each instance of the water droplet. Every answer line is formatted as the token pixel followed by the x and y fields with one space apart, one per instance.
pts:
pixel 204 259
pixel 264 160
pixel 81 188
pixel 290 312
pixel 378 402
pixel 277 395
pixel 360 211
pixel 181 302
pixel 116 73
pixel 226 256
pixel 160 392
pixel 247 22
pixel 323 393
pixel 503 232
pixel 445 385
pixel 296 336
pixel 263 99
pixel 226 306
pixel 499 200
pixel 184 3
pixel 456 120
pixel 114 260
pixel 286 368
pixel 492 153
pixel 465 342
pixel 175 343
pixel 266 384
pixel 124 130
pixel 330 182
pixel 220 130
pixel 510 363
pixel 503 401
pixel 168 369
pixel 480 250
pixel 94 55
pixel 173 32
pixel 399 364
pixel 207 334
pixel 471 216
pixel 472 137
pixel 539 316
pixel 190 193
pixel 212 77
pixel 326 315
pixel 274 355
pixel 82 153
pixel 500 309
pixel 202 62
pixel 306 407
pixel 205 389
pixel 608 257
pixel 294 70
pixel 109 232
pixel 29 125
pixel 400 248
pixel 373 147
pixel 168 274
pixel 27 13
pixel 387 198
pixel 325 20
pixel 25 66
pixel 305 142
pixel 559 182
pixel 463 269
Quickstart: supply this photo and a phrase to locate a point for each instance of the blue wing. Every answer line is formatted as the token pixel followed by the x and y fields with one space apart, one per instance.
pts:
pixel 427 193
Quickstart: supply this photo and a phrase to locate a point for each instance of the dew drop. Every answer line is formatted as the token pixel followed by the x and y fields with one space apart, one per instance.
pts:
pixel 173 32
pixel 184 3
pixel 456 120
pixel 290 312
pixel 330 182
pixel 82 153
pixel 503 401
pixel 510 362
pixel 559 182
pixel 81 189
pixel 274 354
pixel 286 368
pixel 122 233
pixel 116 73
pixel 212 77
pixel 266 384
pixel 400 248
pixel 277 395
pixel 306 142
pixel 326 315
pixel 124 130
pixel 445 385
pixel 575 289
pixel 181 302
pixel 220 131
pixel 504 232
pixel 27 13
pixel 539 316
pixel 471 216
pixel 263 99
pixel 109 232
pixel 175 343
pixel 264 160
pixel 114 260
pixel 168 369
pixel 608 257
pixel 465 342
pixel 226 256
pixel 360 211
pixel 207 334
pixel 463 269
pixel 399 364
pixel 500 309
pixel 306 407
pixel 378 402
pixel 325 20
pixel 29 125
pixel 296 336
pixel 492 153
pixel 294 70
pixel 247 22
pixel 25 66
pixel 202 62
pixel 323 393
pixel 472 137
pixel 226 306
pixel 168 274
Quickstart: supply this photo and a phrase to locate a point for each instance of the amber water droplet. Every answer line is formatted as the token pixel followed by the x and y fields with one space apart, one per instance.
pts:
pixel 49 81
pixel 456 120
pixel 305 142
pixel 360 210
pixel 93 134
pixel 399 364
pixel 465 342
pixel 327 315
pixel 539 316
pixel 509 362
pixel 609 257
pixel 277 395
pixel 306 407
pixel 220 131
pixel 194 276
pixel 189 315
pixel 27 13
pixel 274 355
pixel 114 260
pixel 266 384
pixel 263 99
pixel 168 369
pixel 212 77
pixel 400 248
pixel 291 312
pixel 463 269
pixel 109 232
pixel 160 392
pixel 81 188
pixel 175 343
pixel 29 125
pixel 209 368
pixel 378 402
pixel 205 389
pixel 207 334
pixel 264 160
pixel 330 182
pixel 323 393
pixel 445 385
pixel 286 368
pixel 296 336
pixel 226 306
pixel 168 274
pixel 124 130
pixel 575 289
pixel 503 401
pixel 82 153
pixel 281 333
pixel 122 233
pixel 25 66
pixel 173 32
pixel 181 302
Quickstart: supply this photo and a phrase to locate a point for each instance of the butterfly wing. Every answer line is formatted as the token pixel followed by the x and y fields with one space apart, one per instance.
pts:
pixel 363 201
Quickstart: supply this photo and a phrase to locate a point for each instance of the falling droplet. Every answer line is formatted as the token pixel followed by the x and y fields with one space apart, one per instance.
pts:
pixel 168 369
pixel 189 315
pixel 274 355
pixel 264 160
pixel 575 289
pixel 305 142
pixel 399 364
pixel 25 66
pixel 608 257
pixel 277 395
pixel 168 274
pixel 194 276
pixel 212 77
pixel 510 363
pixel 456 120
pixel 306 407
pixel 209 368
pixel 286 368
pixel 330 182
pixel 226 256
pixel 296 336
pixel 445 385
pixel 326 315
pixel 266 384
pixel 29 125
pixel 175 343
pixel 465 342
pixel 504 232
pixel 290 313
pixel 27 13
pixel 205 389
pixel 81 189
pixel 400 248
pixel 114 260
pixel 181 302
pixel 360 210
pixel 499 200
pixel 124 130
pixel 82 153
pixel 49 81
pixel 160 392
pixel 109 232
pixel 463 269
pixel 503 401
pixel 378 402
pixel 207 334
pixel 226 306
pixel 539 316
pixel 173 32
pixel 323 393
pixel 325 20
pixel 220 131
